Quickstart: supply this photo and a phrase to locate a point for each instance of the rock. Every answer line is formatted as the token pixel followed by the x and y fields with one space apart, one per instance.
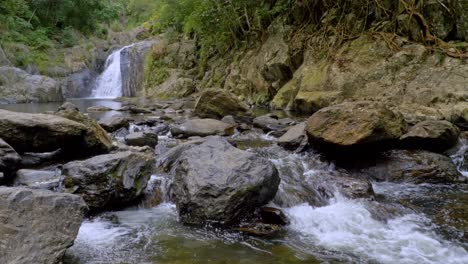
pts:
pixel 132 66
pixel 229 120
pixel 260 229
pixel 431 135
pixel 9 160
pixel 410 166
pixel 271 122
pixel 30 160
pixel 114 122
pixel 79 84
pixel 219 103
pixel 99 108
pixel 202 128
pixel 46 133
pixel 355 124
pixel 38 179
pixel 295 137
pixel 141 139
pixel 18 86
pixel 349 187
pixel 95 135
pixel 111 180
pixel 37 226
pixel 217 183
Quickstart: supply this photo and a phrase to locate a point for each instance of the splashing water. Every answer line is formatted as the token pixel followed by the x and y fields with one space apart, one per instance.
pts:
pixel 459 157
pixel 109 83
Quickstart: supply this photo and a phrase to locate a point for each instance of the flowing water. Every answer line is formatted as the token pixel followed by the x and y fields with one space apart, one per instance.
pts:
pixel 109 83
pixel 341 231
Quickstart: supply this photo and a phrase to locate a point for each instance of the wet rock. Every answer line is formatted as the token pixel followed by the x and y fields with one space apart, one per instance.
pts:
pixel 31 160
pixel 18 86
pixel 294 138
pixel 141 139
pixel 95 136
pixel 99 108
pixel 38 179
pixel 9 159
pixel 272 122
pixel 355 124
pixel 109 180
pixel 229 120
pixel 215 103
pixel 45 133
pixel 114 122
pixel 260 229
pixel 349 187
pixel 217 183
pixel 37 226
pixel 431 135
pixel 202 128
pixel 120 133
pixel 413 166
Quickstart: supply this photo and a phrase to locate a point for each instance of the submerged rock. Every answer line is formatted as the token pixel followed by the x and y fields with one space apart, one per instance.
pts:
pixel 37 226
pixel 218 103
pixel 432 135
pixel 202 128
pixel 9 159
pixel 355 124
pixel 110 180
pixel 46 133
pixel 416 166
pixel 142 139
pixel 218 183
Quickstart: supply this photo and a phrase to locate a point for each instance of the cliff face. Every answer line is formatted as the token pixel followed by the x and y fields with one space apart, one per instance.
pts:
pixel 418 68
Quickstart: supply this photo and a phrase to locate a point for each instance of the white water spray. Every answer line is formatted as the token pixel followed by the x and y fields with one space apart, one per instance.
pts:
pixel 109 83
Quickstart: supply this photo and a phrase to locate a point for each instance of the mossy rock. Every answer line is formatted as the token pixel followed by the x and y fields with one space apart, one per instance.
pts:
pixel 216 103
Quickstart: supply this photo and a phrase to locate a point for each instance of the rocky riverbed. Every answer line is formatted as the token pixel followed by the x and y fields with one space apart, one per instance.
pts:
pixel 184 182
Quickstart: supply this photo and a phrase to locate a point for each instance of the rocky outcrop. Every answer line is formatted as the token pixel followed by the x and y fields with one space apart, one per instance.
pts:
pixel 355 124
pixel 202 128
pixel 9 159
pixel 413 167
pixel 79 84
pixel 141 139
pixel 95 135
pixel 37 226
pixel 114 122
pixel 132 67
pixel 111 180
pixel 217 183
pixel 46 133
pixel 218 104
pixel 431 135
pixel 18 86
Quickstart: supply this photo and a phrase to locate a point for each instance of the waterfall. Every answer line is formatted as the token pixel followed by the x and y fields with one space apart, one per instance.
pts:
pixel 109 83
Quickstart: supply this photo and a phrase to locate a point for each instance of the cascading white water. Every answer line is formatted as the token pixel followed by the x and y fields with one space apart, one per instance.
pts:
pixel 109 83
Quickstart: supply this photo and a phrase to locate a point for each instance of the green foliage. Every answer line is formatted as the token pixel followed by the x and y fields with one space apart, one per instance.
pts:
pixel 156 71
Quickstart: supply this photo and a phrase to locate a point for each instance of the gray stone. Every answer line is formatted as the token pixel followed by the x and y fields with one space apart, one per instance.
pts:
pixel 111 180
pixel 431 135
pixel 79 84
pixel 295 137
pixel 114 122
pixel 271 122
pixel 218 183
pixel 37 179
pixel 141 139
pixel 46 133
pixel 202 128
pixel 37 226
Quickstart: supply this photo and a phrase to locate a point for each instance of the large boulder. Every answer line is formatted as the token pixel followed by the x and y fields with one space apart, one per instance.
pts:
pixel 9 159
pixel 218 183
pixel 95 135
pixel 46 133
pixel 412 166
pixel 110 180
pixel 18 86
pixel 219 103
pixel 432 135
pixel 112 123
pixel 202 128
pixel 355 124
pixel 37 226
